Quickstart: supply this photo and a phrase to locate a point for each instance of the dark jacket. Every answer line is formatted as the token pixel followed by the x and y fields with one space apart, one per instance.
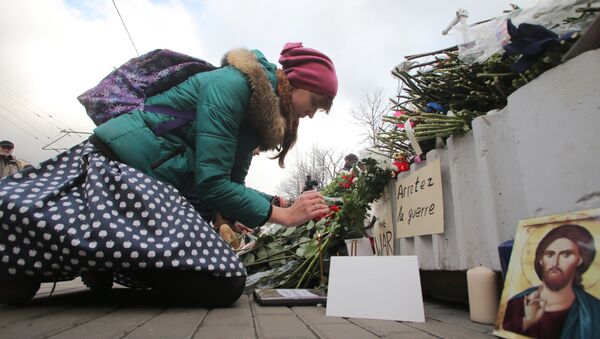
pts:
pixel 237 111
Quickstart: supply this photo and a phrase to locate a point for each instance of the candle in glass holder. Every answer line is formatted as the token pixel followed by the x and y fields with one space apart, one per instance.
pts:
pixel 483 294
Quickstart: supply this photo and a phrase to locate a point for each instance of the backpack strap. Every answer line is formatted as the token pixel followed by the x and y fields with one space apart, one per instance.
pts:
pixel 181 118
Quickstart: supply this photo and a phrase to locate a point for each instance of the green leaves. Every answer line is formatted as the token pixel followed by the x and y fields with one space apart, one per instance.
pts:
pixel 307 249
pixel 291 257
pixel 289 231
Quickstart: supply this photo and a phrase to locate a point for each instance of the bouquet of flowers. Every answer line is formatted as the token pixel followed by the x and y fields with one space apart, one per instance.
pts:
pixel 298 257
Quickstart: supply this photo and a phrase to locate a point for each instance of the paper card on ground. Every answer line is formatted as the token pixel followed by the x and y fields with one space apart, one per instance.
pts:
pixel 386 287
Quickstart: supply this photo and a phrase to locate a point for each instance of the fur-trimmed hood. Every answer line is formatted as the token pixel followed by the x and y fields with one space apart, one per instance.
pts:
pixel 263 110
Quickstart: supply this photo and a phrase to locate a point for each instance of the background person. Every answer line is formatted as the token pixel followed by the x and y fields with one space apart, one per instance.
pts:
pixel 349 161
pixel 8 163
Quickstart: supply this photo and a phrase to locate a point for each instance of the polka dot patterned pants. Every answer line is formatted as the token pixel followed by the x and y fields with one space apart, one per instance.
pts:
pixel 83 212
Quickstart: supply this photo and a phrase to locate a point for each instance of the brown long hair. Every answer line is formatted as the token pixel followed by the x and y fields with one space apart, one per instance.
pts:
pixel 284 92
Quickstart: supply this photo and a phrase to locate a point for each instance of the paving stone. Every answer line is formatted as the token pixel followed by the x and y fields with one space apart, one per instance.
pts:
pixel 171 323
pixel 53 323
pixel 113 325
pixel 225 331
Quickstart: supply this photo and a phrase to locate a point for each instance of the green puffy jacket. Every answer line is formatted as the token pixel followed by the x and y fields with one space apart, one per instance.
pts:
pixel 237 110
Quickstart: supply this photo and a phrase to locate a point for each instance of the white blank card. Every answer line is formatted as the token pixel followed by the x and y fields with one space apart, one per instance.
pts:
pixel 386 287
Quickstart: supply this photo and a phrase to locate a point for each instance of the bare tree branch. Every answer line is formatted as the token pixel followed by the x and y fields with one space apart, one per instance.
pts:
pixel 369 115
pixel 321 164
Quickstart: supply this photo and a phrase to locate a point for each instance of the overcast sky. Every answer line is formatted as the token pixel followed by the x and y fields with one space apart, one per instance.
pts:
pixel 54 50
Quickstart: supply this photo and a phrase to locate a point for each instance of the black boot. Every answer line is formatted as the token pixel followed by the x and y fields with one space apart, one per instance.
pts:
pixel 199 288
pixel 98 281
pixel 18 291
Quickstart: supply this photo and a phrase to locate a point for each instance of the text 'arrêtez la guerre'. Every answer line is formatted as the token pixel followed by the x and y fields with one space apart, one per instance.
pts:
pixel 405 191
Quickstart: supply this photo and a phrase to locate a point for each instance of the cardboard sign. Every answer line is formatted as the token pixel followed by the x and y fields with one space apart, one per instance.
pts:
pixel 552 285
pixel 383 230
pixel 397 295
pixel 359 246
pixel 420 205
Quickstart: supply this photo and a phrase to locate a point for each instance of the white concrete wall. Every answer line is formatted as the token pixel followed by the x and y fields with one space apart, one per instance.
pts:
pixel 539 155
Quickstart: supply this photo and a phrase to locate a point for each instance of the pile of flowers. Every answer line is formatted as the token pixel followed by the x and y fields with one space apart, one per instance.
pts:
pixel 441 94
pixel 298 257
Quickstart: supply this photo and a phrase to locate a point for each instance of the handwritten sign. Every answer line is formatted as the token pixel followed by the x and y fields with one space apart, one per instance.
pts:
pixel 419 199
pixel 384 227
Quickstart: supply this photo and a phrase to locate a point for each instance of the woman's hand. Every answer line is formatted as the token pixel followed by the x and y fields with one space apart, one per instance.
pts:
pixel 308 206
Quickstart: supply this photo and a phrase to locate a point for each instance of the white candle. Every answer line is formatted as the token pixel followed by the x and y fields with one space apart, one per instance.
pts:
pixel 483 295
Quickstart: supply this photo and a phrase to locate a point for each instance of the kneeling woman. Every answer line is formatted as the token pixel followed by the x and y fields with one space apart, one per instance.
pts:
pixel 135 206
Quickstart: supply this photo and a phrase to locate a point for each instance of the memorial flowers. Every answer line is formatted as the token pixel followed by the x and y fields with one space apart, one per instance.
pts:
pixel 441 94
pixel 296 257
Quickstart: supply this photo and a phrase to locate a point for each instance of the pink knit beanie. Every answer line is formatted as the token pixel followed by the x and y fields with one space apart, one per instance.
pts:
pixel 309 69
